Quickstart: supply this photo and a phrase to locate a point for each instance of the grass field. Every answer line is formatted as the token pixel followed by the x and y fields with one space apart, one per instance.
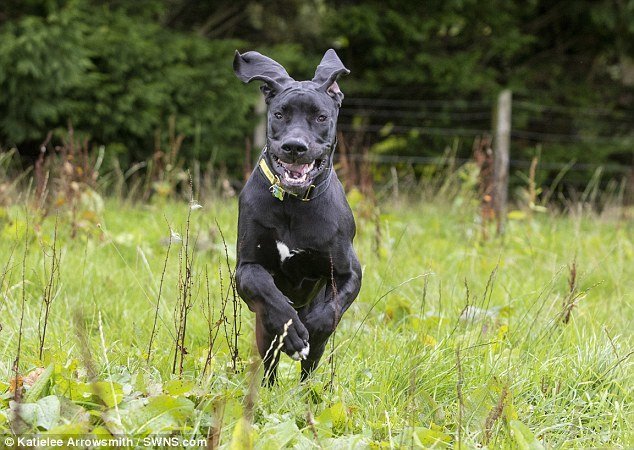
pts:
pixel 454 342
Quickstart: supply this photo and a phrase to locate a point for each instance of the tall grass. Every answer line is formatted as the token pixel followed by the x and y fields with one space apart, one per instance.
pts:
pixel 458 339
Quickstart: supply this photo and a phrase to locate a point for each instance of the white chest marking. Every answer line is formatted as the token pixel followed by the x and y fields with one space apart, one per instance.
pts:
pixel 282 248
pixel 285 252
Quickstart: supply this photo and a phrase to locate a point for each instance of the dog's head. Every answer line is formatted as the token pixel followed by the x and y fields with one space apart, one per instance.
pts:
pixel 302 116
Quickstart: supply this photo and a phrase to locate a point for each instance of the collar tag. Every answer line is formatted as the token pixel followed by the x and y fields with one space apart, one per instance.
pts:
pixel 277 191
pixel 275 188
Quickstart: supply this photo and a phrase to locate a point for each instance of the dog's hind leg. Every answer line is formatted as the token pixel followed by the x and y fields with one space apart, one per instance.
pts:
pixel 322 315
pixel 320 319
pixel 312 360
pixel 268 347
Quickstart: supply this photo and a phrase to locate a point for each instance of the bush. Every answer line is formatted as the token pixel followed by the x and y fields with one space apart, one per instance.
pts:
pixel 119 81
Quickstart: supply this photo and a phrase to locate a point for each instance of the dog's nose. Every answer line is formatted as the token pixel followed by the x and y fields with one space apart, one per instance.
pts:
pixel 295 146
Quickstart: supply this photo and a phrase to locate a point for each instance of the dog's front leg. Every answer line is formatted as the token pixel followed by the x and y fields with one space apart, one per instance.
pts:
pixel 323 315
pixel 275 317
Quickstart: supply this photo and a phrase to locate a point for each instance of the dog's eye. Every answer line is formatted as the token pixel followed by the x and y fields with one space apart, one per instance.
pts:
pixel 321 118
pixel 278 115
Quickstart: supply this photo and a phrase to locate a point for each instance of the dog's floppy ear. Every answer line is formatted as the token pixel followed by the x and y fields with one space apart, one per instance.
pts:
pixel 251 66
pixel 327 73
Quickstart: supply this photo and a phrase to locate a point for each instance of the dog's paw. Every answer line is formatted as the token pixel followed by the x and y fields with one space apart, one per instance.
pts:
pixel 302 354
pixel 321 320
pixel 292 335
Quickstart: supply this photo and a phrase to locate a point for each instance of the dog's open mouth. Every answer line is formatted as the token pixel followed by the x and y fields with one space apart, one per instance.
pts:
pixel 298 174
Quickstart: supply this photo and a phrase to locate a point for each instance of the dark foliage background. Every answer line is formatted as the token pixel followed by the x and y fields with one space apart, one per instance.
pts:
pixel 423 73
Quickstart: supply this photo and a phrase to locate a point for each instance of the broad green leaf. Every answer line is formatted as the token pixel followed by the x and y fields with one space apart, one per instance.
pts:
pixel 139 382
pixel 101 431
pixel 333 417
pixel 281 435
pixel 178 387
pixel 161 414
pixel 110 393
pixel 69 429
pixel 49 409
pixel 349 442
pixel 426 437
pixel 44 414
pixel 75 390
pixel 524 437
pixel 40 386
pixel 73 413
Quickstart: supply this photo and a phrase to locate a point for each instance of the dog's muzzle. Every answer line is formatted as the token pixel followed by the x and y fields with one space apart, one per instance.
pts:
pixel 294 175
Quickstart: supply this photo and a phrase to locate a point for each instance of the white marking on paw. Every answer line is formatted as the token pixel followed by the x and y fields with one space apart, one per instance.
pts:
pixel 305 351
pixel 302 354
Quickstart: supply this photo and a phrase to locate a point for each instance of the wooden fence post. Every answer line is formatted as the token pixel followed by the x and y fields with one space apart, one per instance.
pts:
pixel 501 146
pixel 259 139
pixel 259 134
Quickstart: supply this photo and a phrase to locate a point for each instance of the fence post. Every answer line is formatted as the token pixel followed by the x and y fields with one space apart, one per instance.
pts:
pixel 259 134
pixel 501 146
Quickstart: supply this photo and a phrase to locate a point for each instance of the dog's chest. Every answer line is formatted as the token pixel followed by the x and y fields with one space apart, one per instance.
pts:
pixel 300 272
pixel 298 262
pixel 295 262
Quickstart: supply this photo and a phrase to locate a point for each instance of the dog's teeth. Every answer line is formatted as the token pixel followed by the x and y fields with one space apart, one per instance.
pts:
pixel 295 356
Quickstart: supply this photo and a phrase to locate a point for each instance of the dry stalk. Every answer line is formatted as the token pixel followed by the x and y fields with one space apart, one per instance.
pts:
pixel 213 327
pixel 158 299
pixel 459 385
pixel 232 335
pixel 310 421
pixel 335 300
pixel 185 300
pixel 16 363
pixel 5 271
pixel 532 190
pixel 251 398
pixel 378 238
pixel 494 415
pixel 49 291
pixel 570 299
pixel 483 156
pixel 40 174
pixel 214 432
pixel 84 346
pixel 85 353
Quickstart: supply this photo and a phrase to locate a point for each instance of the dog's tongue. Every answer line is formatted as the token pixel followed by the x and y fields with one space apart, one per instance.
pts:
pixel 299 169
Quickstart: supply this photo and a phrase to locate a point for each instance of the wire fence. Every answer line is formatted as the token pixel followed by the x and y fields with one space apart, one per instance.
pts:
pixel 368 121
pixel 515 163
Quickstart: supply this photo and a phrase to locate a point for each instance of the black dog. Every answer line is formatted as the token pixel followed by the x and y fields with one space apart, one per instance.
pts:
pixel 296 266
